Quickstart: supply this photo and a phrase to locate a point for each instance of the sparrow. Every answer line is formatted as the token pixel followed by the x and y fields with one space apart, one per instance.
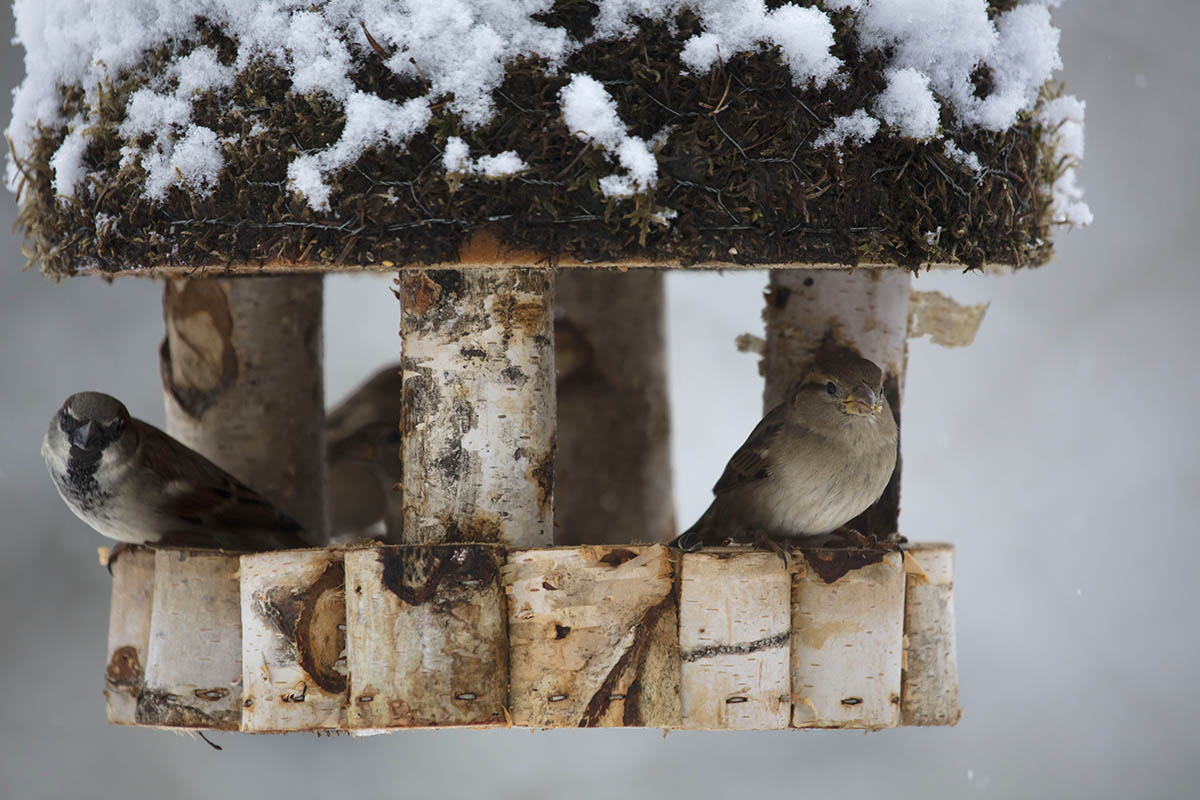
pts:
pixel 813 463
pixel 136 484
pixel 362 454
pixel 365 476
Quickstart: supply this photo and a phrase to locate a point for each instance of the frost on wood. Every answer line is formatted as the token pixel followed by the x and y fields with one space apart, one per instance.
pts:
pixel 427 637
pixel 478 424
pixel 128 633
pixel 734 628
pixel 242 378
pixel 864 310
pixel 294 672
pixel 929 694
pixel 847 638
pixel 612 479
pixel 593 640
pixel 194 659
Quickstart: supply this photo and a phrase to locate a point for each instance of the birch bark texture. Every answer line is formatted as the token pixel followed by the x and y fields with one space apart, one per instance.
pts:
pixel 929 693
pixel 427 639
pixel 613 470
pixel 194 658
pixel 593 637
pixel 128 633
pixel 243 385
pixel 847 638
pixel 864 310
pixel 294 673
pixel 734 628
pixel 478 411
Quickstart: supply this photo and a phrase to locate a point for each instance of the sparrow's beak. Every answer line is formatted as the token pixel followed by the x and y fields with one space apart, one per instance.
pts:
pixel 862 401
pixel 85 436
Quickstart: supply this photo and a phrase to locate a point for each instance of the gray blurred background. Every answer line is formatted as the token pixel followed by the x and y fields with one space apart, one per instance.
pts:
pixel 1060 453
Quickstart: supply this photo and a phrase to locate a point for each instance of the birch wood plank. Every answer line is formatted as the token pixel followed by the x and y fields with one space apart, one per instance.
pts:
pixel 593 638
pixel 294 673
pixel 427 641
pixel 242 380
pixel 929 685
pixel 478 406
pixel 734 627
pixel 128 633
pixel 194 659
pixel 847 638
pixel 612 481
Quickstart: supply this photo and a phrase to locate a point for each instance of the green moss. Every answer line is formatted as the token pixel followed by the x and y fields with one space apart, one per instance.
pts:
pixel 738 168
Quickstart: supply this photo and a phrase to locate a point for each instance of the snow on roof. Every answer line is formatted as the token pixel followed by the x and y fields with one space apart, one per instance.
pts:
pixel 459 49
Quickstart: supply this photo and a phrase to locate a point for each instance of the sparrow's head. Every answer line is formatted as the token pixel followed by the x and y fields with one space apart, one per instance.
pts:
pixel 843 383
pixel 92 421
pixel 375 443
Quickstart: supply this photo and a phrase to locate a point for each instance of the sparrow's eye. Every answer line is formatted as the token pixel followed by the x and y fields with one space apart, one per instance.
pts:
pixel 831 387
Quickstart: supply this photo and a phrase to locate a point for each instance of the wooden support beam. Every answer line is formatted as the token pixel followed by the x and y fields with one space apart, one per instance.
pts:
pixel 593 637
pixel 242 377
pixel 613 470
pixel 128 633
pixel 478 406
pixel 929 691
pixel 294 673
pixel 734 628
pixel 426 634
pixel 194 659
pixel 865 310
pixel 847 638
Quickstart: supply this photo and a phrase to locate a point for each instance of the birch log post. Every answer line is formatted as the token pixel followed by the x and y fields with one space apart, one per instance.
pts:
pixel 242 377
pixel 194 659
pixel 478 406
pixel 847 638
pixel 613 470
pixel 593 637
pixel 128 633
pixel 929 686
pixel 865 310
pixel 734 627
pixel 294 673
pixel 427 640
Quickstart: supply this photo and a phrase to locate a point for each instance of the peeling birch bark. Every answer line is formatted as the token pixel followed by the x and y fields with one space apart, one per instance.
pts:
pixel 294 674
pixel 194 659
pixel 242 378
pixel 426 636
pixel 865 310
pixel 929 691
pixel 946 322
pixel 847 638
pixel 478 406
pixel 613 469
pixel 592 632
pixel 128 633
pixel 734 627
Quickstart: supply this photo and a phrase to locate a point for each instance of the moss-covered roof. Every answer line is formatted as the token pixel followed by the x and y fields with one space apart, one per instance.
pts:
pixel 739 179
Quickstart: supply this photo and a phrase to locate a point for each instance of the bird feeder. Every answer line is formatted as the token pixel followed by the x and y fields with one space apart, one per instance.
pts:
pixel 528 177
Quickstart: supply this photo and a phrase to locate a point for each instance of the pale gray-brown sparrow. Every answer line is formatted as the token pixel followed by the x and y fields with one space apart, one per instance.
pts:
pixel 134 483
pixel 812 464
pixel 362 451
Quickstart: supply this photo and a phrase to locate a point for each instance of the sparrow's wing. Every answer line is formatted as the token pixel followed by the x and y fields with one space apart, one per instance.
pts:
pixel 207 500
pixel 749 463
pixel 377 399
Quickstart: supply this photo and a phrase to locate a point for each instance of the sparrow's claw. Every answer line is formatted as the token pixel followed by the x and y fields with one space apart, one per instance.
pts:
pixel 764 542
pixel 117 549
pixel 688 541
